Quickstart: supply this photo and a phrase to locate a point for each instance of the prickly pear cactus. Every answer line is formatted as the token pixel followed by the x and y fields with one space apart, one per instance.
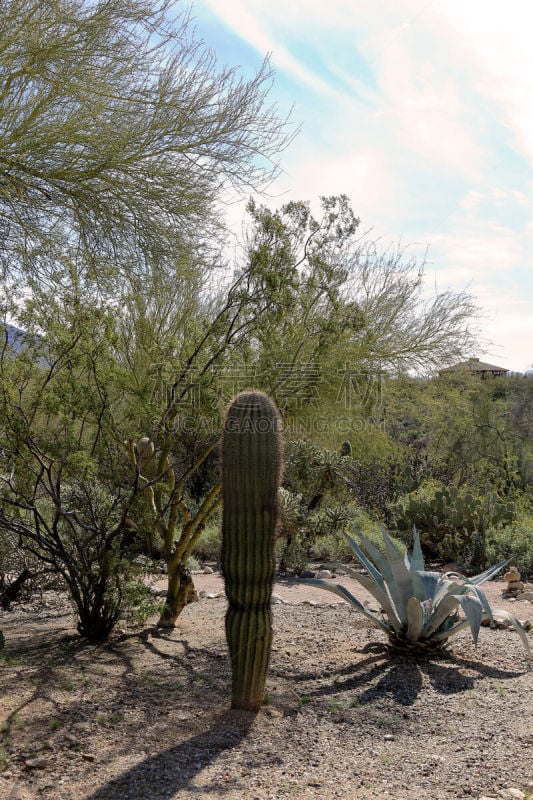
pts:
pixel 252 463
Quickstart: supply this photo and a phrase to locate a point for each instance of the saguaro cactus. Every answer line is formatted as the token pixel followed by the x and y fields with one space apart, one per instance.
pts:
pixel 252 463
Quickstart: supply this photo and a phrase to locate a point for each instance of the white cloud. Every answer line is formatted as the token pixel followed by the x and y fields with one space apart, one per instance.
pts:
pixel 499 43
pixel 364 175
pixel 485 260
pixel 424 107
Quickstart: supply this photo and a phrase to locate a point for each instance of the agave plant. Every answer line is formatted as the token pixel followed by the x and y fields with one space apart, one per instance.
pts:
pixel 419 609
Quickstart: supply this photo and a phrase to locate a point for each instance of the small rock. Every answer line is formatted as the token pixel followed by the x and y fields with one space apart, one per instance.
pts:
pixel 36 763
pixel 88 757
pixel 202 593
pixel 270 711
pixel 454 566
pixel 527 596
pixel 388 737
pixel 310 603
pixel 512 794
pixel 276 599
pixel 511 574
pixel 308 573
pixel 324 573
pixel 154 590
pixel 208 570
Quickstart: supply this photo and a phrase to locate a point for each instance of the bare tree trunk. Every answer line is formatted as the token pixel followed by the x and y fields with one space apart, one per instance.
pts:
pixel 180 593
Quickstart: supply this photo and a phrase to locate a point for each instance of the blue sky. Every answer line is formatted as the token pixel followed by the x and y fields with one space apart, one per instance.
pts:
pixel 421 111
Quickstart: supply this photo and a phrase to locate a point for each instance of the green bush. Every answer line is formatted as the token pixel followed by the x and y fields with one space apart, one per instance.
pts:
pixel 208 546
pixel 335 547
pixel 328 546
pixel 514 542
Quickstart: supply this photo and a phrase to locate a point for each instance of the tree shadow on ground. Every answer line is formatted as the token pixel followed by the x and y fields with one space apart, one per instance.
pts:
pixel 175 768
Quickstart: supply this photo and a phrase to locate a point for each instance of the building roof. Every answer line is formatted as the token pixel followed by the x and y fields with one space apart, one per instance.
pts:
pixel 474 365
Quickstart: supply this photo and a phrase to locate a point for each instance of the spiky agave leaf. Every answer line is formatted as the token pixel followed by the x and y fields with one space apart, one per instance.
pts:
pixel 473 611
pixel 415 564
pixel 341 591
pixel 402 578
pixel 371 586
pixel 416 618
pixel 384 571
pixel 488 574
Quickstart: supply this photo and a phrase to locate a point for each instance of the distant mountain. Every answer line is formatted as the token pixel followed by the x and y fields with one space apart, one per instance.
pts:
pixel 15 337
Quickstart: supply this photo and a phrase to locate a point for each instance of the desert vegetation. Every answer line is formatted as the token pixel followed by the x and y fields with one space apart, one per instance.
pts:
pixel 128 331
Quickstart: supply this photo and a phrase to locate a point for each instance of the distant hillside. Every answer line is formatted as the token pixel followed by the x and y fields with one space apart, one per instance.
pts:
pixel 15 336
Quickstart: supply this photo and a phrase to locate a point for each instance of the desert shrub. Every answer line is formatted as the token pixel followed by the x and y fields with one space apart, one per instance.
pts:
pixel 332 545
pixel 138 602
pixel 208 546
pixel 514 542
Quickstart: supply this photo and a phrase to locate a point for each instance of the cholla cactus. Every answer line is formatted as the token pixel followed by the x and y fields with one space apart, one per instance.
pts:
pixel 251 474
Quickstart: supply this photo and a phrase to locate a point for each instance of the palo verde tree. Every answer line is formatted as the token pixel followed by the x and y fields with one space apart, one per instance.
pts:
pixel 284 298
pixel 291 310
pixel 118 134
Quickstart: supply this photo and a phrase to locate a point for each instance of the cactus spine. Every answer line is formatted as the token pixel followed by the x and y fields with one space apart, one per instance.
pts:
pixel 252 463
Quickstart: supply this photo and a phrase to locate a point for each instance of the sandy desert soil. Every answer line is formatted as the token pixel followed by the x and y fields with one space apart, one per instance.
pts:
pixel 146 716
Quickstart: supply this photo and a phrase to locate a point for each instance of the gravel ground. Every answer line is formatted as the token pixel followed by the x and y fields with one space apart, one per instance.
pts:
pixel 146 715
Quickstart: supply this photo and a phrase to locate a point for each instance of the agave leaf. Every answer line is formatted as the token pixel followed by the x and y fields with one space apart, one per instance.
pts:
pixel 373 552
pixel 379 593
pixel 517 625
pixel 446 587
pixel 480 594
pixel 387 580
pixel 442 636
pixel 473 610
pixel 341 591
pixel 415 619
pixel 417 559
pixel 429 582
pixel 383 599
pixel 398 578
pixel 367 564
pixel 446 607
pixel 488 574
pixel 391 547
